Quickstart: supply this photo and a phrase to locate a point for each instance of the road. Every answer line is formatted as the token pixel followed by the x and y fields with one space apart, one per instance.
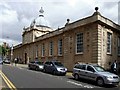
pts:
pixel 24 78
pixel 2 82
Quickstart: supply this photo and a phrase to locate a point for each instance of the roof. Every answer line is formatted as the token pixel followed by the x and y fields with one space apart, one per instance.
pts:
pixel 91 19
pixel 93 64
pixel 96 17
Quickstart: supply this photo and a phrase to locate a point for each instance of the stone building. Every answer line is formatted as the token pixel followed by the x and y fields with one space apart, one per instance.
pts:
pixel 94 39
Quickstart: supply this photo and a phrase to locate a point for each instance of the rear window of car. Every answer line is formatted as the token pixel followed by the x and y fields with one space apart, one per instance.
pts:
pixel 83 67
pixel 89 68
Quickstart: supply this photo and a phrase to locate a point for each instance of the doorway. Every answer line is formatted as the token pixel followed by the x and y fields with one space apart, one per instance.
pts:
pixel 25 58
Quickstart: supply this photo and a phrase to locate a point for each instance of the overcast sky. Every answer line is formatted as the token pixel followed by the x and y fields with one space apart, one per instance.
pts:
pixel 14 14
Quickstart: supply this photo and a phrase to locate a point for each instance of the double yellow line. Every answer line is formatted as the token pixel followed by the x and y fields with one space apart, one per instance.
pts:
pixel 7 81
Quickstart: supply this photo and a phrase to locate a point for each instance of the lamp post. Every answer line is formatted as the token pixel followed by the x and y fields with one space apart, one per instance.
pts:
pixel 12 53
pixel 11 50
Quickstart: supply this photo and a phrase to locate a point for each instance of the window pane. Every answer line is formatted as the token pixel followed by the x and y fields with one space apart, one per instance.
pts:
pixel 79 42
pixel 109 42
pixel 60 47
pixel 43 50
pixel 51 49
pixel 82 67
pixel 89 68
pixel 118 45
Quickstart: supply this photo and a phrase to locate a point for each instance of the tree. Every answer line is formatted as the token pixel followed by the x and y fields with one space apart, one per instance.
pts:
pixel 4 50
pixel 0 50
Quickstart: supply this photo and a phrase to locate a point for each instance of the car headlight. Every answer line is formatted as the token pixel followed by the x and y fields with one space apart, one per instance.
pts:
pixel 62 69
pixel 65 69
pixel 41 67
pixel 109 77
pixel 58 69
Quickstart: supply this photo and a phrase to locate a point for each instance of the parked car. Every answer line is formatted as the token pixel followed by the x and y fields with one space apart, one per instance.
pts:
pixel 96 73
pixel 55 67
pixel 6 61
pixel 36 65
pixel 1 62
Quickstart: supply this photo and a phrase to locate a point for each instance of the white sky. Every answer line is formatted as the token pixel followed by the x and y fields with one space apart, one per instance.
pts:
pixel 14 14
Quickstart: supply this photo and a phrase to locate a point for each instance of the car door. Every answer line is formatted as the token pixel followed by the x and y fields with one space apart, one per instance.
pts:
pixel 90 73
pixel 31 65
pixel 51 67
pixel 46 66
pixel 34 65
pixel 82 70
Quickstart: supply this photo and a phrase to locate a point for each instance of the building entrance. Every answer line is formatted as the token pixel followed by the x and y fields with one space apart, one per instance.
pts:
pixel 25 58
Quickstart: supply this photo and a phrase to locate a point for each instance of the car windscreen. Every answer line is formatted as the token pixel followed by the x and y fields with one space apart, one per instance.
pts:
pixel 99 69
pixel 58 64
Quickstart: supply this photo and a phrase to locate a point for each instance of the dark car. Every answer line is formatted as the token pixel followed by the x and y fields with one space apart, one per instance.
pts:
pixel 55 67
pixel 36 65
pixel 6 61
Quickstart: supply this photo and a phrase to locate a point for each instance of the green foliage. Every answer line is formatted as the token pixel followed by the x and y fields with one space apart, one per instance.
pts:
pixel 0 50
pixel 3 50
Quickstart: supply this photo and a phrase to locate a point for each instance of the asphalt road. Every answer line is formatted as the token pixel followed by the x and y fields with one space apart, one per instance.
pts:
pixel 2 82
pixel 24 78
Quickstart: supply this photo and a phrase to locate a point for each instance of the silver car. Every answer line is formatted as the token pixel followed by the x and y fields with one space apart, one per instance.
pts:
pixel 95 73
pixel 1 62
pixel 36 65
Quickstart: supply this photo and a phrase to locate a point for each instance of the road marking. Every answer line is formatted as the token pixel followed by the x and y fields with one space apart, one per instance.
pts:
pixel 85 86
pixel 7 81
pixel 20 68
pixel 75 83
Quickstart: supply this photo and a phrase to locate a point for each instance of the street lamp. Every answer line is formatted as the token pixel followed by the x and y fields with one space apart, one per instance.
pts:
pixel 12 53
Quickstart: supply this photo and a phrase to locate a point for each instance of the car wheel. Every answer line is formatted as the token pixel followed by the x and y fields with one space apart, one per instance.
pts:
pixel 36 68
pixel 54 72
pixel 44 70
pixel 100 81
pixel 76 76
pixel 29 67
pixel 64 74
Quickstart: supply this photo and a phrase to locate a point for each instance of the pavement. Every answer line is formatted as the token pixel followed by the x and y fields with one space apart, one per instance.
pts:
pixel 20 65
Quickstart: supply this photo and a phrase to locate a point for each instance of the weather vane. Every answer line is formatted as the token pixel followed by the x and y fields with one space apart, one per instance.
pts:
pixel 41 10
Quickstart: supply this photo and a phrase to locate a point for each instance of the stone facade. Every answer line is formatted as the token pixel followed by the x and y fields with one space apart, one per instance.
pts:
pixel 95 43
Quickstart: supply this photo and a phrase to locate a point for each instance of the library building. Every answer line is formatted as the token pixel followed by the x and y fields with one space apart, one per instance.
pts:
pixel 93 39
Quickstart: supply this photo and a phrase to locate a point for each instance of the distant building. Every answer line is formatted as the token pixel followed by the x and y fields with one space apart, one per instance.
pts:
pixel 94 39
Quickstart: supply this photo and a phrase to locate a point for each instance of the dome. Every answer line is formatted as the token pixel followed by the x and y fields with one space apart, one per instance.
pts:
pixel 40 21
